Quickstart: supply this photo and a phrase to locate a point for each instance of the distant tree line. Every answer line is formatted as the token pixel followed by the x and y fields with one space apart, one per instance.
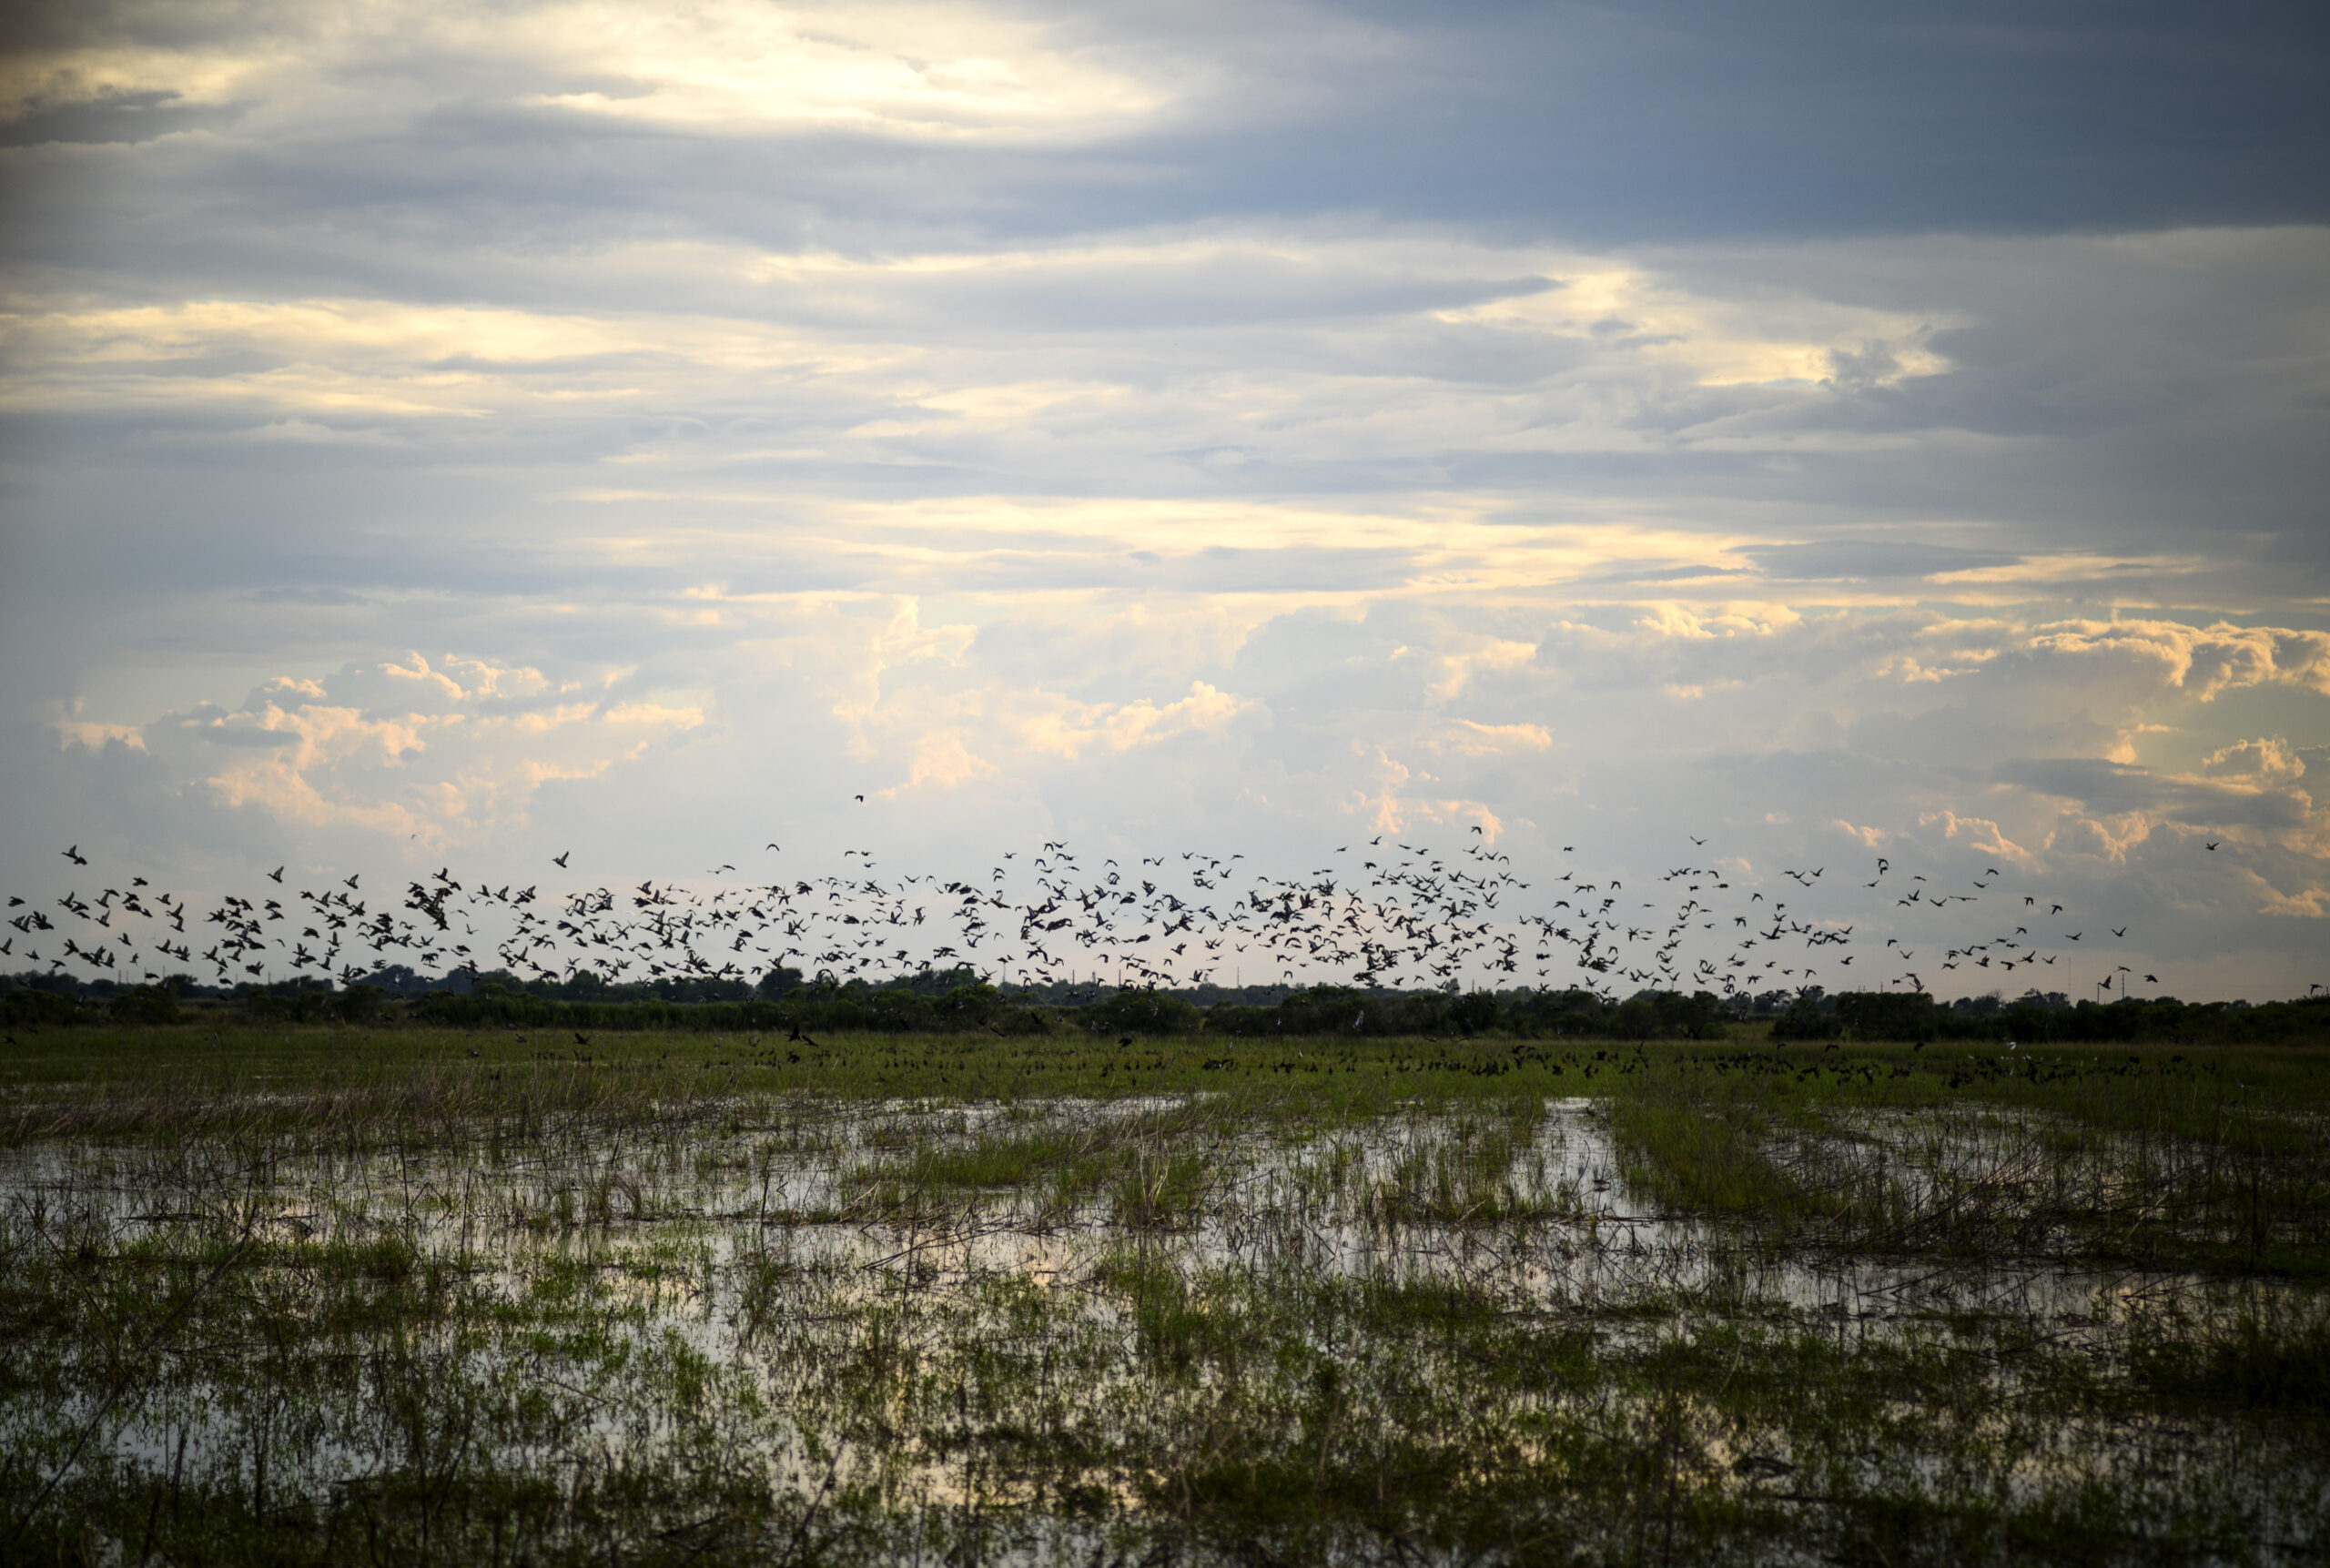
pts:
pixel 958 999
pixel 2049 1018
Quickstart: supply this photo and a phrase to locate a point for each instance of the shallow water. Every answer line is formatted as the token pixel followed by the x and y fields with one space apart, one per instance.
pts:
pixel 781 1288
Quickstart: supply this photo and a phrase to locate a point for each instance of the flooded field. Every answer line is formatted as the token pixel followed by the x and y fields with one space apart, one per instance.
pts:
pixel 1670 1306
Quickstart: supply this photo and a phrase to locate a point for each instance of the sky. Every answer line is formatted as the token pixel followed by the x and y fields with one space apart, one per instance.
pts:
pixel 456 435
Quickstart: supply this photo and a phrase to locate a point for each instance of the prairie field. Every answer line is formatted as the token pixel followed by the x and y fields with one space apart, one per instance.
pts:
pixel 321 1294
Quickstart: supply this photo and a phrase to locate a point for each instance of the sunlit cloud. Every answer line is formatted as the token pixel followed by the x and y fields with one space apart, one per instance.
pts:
pixel 918 69
pixel 440 754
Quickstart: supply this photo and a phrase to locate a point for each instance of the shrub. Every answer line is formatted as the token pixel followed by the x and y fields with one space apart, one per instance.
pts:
pixel 1141 1013
pixel 1805 1020
pixel 146 1004
pixel 30 1007
pixel 1887 1015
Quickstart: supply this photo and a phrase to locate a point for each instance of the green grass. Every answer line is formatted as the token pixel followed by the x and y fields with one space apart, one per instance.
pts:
pixel 1700 1144
pixel 2186 1090
pixel 328 1296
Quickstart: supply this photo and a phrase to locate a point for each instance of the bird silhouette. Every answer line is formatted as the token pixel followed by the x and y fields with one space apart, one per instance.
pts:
pixel 1375 914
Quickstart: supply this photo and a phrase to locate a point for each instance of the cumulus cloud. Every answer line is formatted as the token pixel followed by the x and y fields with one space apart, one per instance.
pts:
pixel 441 753
pixel 2203 660
pixel 1978 834
pixel 2266 761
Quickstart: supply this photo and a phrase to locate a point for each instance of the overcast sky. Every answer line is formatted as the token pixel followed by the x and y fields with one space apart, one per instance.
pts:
pixel 463 433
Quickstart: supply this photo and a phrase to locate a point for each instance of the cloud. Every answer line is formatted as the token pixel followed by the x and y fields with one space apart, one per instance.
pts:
pixel 943 762
pixel 442 753
pixel 1854 559
pixel 1978 833
pixel 1235 428
pixel 1068 730
pixel 2241 790
pixel 2264 763
pixel 1473 739
pixel 910 70
pixel 2203 662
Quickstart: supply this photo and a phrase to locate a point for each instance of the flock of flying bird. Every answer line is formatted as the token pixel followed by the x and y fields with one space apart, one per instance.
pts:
pixel 1385 912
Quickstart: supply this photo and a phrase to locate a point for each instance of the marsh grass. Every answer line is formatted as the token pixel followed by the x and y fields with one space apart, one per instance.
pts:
pixel 408 1298
pixel 1695 1148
